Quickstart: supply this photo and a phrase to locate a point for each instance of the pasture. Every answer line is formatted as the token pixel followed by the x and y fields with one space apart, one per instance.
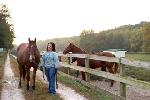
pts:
pixel 138 56
pixel 139 73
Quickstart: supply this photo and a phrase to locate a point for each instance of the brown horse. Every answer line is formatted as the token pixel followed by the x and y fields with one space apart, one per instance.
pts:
pixel 28 56
pixel 111 66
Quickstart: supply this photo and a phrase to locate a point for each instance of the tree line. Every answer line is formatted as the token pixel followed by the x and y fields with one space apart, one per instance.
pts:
pixel 133 38
pixel 61 43
pixel 6 28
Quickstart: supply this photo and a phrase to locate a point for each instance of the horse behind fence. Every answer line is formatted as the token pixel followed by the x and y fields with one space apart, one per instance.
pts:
pixel 111 66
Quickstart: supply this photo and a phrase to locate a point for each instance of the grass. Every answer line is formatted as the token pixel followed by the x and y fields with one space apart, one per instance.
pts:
pixel 41 91
pixel 2 62
pixel 138 73
pixel 88 92
pixel 140 57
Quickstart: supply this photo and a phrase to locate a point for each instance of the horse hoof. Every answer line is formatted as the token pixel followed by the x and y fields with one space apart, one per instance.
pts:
pixel 33 87
pixel 27 88
pixel 19 87
pixel 111 85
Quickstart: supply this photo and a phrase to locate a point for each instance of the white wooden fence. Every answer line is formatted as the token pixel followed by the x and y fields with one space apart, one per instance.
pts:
pixel 117 77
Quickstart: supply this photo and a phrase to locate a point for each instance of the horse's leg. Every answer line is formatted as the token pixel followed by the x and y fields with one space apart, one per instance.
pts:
pixel 115 67
pixel 110 69
pixel 77 73
pixel 83 75
pixel 34 75
pixel 20 71
pixel 103 68
pixel 28 77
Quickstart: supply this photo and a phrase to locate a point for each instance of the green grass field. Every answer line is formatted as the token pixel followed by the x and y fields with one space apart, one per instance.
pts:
pixel 138 73
pixel 141 57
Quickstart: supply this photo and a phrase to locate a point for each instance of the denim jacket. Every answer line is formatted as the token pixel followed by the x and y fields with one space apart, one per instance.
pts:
pixel 50 59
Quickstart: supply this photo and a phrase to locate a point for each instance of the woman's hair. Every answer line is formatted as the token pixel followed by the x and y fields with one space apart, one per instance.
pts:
pixel 53 46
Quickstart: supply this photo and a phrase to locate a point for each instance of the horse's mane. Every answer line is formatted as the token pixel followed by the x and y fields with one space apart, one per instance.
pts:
pixel 99 53
pixel 84 51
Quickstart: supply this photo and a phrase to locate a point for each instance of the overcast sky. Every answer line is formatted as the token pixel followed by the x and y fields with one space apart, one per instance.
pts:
pixel 45 19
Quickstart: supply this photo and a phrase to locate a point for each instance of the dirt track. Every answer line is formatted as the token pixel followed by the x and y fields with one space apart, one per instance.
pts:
pixel 133 93
pixel 10 90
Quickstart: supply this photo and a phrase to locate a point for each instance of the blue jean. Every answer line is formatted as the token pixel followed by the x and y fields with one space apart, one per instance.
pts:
pixel 50 74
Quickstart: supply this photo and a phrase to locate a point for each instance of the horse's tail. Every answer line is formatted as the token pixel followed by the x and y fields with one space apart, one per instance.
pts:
pixel 24 72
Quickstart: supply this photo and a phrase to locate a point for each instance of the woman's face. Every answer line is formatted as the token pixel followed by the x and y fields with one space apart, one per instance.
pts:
pixel 49 47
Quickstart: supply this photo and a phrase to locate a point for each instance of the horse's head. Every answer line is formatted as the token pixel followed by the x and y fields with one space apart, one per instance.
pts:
pixel 69 48
pixel 72 48
pixel 32 47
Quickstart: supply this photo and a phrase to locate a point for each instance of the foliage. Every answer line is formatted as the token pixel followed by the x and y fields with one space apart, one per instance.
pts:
pixel 146 37
pixel 135 38
pixel 6 28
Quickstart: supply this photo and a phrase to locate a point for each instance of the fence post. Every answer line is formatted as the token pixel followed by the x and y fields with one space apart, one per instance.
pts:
pixel 122 85
pixel 87 64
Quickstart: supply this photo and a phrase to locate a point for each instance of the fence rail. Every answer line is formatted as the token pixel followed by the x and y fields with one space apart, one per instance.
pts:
pixel 117 77
pixel 111 59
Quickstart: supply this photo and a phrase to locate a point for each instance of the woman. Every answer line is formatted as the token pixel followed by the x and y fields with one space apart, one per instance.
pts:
pixel 50 63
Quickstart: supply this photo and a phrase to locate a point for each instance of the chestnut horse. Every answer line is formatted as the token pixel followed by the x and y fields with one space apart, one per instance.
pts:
pixel 111 66
pixel 28 56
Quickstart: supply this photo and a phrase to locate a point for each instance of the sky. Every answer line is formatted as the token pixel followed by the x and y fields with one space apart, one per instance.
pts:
pixel 47 19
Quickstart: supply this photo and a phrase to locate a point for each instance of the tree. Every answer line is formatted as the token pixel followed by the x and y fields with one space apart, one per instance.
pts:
pixel 87 39
pixel 146 37
pixel 6 28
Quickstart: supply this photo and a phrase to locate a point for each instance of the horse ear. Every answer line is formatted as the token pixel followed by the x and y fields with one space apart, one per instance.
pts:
pixel 29 39
pixel 35 40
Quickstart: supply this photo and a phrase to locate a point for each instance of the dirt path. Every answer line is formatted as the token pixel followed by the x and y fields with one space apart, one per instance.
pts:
pixel 9 83
pixel 133 93
pixel 65 92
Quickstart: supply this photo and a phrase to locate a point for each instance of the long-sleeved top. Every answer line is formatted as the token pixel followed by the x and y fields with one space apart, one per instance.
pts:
pixel 50 59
